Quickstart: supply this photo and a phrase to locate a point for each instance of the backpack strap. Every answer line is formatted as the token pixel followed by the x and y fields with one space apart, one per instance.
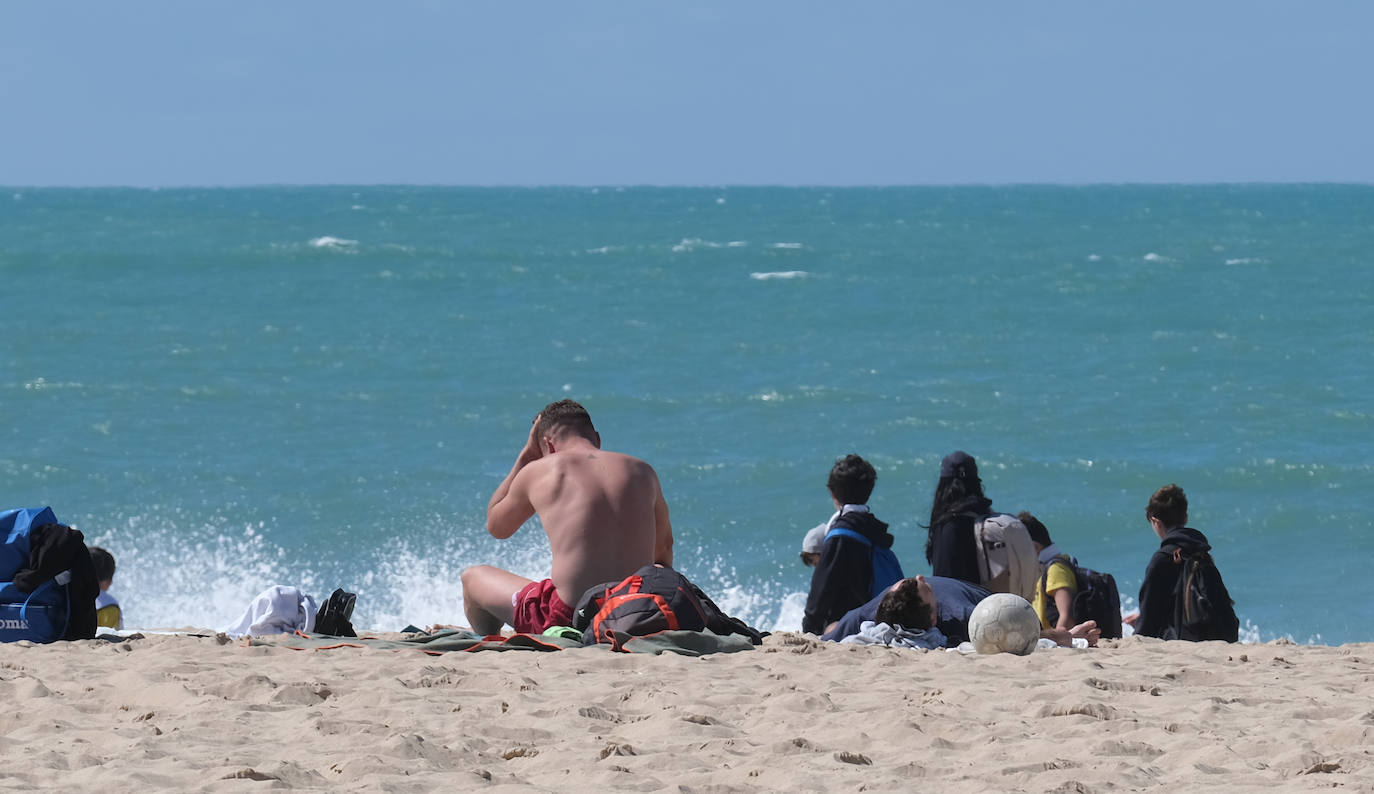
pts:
pixel 849 533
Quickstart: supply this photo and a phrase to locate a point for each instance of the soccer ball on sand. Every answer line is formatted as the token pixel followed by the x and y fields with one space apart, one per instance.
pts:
pixel 1004 623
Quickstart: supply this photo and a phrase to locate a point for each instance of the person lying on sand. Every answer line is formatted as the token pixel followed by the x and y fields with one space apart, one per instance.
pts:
pixel 603 512
pixel 941 602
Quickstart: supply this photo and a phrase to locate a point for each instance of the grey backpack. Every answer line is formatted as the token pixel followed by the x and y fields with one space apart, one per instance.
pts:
pixel 1007 562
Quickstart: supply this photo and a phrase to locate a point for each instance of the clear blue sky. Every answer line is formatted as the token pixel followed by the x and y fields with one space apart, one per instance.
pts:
pixel 741 92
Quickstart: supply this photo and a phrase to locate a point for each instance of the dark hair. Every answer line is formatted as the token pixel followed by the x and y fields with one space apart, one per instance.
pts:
pixel 1169 505
pixel 565 415
pixel 1038 532
pixel 103 562
pixel 960 494
pixel 851 480
pixel 902 606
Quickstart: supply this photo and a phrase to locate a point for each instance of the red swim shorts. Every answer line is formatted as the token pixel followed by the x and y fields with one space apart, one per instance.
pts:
pixel 537 607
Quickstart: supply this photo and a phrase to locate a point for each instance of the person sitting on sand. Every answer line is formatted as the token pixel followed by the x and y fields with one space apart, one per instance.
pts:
pixel 1161 614
pixel 959 503
pixel 940 602
pixel 603 512
pixel 857 548
pixel 108 614
pixel 1055 589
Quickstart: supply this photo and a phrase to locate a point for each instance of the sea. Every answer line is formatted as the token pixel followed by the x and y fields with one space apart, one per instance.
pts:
pixel 235 388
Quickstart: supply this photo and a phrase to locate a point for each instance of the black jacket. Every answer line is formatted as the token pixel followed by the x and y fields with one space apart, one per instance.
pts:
pixel 954 551
pixel 54 548
pixel 843 579
pixel 1157 592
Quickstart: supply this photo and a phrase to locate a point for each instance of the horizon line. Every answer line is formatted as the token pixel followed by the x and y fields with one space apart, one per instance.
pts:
pixel 685 185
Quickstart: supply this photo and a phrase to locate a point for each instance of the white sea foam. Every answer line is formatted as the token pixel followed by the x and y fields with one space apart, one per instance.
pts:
pixel 332 242
pixel 779 274
pixel 736 244
pixel 789 246
pixel 1153 257
pixel 1094 258
pixel 1245 260
pixel 693 243
pixel 42 384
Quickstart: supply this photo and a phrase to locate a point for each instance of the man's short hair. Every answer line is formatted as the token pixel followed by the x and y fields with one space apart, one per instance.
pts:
pixel 567 416
pixel 1038 532
pixel 104 564
pixel 902 606
pixel 1169 505
pixel 851 480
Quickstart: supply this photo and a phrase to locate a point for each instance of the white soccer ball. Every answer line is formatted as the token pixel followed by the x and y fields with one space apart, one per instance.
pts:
pixel 1004 623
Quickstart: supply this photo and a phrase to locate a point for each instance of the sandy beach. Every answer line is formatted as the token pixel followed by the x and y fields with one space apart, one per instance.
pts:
pixel 210 714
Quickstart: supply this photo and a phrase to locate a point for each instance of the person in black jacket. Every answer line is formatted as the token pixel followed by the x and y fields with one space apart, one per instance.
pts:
pixel 958 504
pixel 843 578
pixel 1159 616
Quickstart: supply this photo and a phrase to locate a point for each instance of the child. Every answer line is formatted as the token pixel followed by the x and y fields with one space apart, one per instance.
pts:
pixel 107 612
pixel 856 560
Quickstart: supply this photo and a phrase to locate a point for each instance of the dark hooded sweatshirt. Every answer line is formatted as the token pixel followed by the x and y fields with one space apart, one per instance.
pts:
pixel 843 579
pixel 1157 592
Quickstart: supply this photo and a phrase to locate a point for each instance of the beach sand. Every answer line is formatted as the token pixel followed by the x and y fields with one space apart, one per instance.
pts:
pixel 213 714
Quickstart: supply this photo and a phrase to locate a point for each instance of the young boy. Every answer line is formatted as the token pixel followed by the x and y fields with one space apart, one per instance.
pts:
pixel 107 612
pixel 845 574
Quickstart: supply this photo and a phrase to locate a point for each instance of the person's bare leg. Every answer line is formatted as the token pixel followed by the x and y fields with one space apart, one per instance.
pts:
pixel 487 593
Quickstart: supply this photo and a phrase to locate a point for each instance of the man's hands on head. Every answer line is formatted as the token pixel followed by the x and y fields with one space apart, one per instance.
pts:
pixel 534 449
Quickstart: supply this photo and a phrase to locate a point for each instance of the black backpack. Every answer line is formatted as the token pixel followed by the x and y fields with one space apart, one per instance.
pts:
pixel 1203 609
pixel 651 600
pixel 1096 598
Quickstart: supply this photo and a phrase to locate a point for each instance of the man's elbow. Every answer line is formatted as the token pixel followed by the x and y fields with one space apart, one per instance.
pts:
pixel 498 530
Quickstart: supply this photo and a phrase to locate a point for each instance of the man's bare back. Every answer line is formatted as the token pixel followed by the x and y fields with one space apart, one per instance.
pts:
pixel 603 512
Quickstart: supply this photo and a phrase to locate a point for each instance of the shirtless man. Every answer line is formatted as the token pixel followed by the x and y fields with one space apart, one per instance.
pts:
pixel 603 512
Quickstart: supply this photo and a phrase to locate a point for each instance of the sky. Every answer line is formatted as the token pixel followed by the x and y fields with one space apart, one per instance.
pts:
pixel 704 93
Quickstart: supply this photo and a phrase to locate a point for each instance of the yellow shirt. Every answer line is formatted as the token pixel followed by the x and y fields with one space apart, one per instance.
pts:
pixel 1060 577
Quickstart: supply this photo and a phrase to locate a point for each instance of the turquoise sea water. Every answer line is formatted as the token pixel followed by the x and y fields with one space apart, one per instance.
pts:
pixel 321 386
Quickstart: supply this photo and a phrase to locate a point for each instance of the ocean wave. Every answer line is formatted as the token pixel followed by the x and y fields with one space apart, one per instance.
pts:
pixel 1153 257
pixel 784 274
pixel 334 243
pixel 787 246
pixel 1245 260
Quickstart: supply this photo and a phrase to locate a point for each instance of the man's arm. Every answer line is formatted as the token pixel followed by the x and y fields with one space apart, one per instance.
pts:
pixel 663 528
pixel 510 506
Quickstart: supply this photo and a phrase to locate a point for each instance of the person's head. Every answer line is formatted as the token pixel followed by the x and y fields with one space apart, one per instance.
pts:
pixel 958 492
pixel 812 544
pixel 1169 507
pixel 567 419
pixel 1039 535
pixel 910 604
pixel 851 480
pixel 104 565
